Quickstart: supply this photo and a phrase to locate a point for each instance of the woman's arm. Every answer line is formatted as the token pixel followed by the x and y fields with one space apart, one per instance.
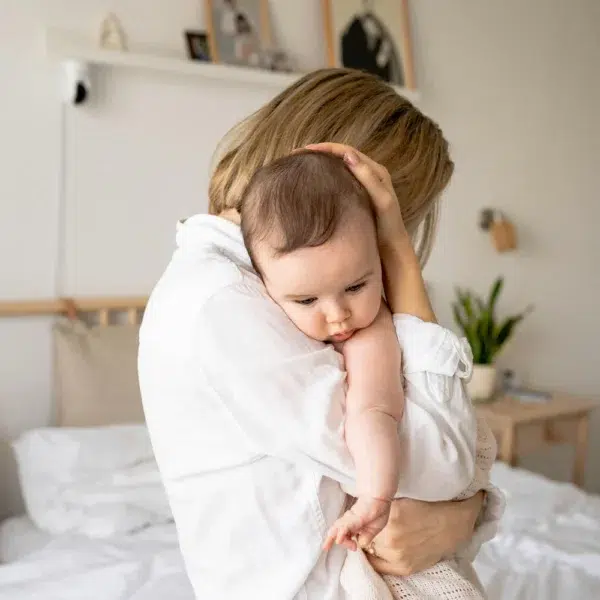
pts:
pixel 404 285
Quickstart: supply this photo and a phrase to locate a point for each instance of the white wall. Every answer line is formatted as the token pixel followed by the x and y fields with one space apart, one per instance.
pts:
pixel 514 85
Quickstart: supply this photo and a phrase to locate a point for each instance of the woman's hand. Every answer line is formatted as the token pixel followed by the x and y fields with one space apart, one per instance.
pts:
pixel 403 280
pixel 377 181
pixel 420 534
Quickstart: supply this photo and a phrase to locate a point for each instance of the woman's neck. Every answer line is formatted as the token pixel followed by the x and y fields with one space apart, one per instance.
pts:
pixel 231 215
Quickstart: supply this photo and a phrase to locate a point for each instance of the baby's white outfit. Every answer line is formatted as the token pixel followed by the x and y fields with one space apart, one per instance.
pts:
pixel 447 580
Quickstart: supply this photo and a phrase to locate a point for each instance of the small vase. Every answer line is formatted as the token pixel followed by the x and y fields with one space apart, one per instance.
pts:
pixel 482 385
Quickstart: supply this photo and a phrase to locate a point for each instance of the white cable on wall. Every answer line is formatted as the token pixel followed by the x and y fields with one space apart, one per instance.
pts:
pixel 60 257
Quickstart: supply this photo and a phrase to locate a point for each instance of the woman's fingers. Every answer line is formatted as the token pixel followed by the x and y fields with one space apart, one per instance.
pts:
pixel 378 183
pixel 381 195
pixel 372 175
pixel 366 175
pixel 343 151
pixel 366 537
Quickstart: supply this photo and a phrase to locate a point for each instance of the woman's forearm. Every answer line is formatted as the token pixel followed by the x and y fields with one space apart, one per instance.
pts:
pixel 404 285
pixel 467 512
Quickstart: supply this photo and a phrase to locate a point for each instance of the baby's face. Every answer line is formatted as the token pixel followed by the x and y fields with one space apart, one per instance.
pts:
pixel 329 291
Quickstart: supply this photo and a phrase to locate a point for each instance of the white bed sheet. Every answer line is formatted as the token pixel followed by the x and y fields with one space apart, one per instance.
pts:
pixel 19 537
pixel 143 566
pixel 548 549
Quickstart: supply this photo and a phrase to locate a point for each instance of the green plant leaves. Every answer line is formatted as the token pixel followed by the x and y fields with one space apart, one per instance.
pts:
pixel 478 323
pixel 496 289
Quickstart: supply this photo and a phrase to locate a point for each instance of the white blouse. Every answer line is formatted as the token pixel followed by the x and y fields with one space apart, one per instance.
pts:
pixel 246 417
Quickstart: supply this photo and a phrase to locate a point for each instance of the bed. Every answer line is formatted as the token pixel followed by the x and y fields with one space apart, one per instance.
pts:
pixel 97 524
pixel 548 549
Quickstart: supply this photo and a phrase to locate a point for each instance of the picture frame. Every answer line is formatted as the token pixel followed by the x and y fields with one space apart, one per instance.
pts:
pixel 372 36
pixel 239 31
pixel 198 47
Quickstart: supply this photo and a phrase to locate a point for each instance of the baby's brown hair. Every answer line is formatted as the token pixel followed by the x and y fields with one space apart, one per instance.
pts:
pixel 298 201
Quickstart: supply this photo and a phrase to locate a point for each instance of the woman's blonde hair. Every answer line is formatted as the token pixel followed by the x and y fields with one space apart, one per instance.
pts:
pixel 349 107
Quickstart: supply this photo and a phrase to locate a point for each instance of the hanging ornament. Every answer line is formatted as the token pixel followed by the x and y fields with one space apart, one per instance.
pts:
pixel 112 35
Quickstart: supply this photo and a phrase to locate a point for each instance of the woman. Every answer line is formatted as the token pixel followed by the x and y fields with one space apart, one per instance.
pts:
pixel 232 390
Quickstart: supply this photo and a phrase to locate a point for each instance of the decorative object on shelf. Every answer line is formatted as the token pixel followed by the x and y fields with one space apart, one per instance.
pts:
pixel 277 60
pixel 503 232
pixel 66 45
pixel 112 34
pixel 370 35
pixel 486 335
pixel 238 31
pixel 198 47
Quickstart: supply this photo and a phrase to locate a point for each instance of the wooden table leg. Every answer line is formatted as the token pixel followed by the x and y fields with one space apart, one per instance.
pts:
pixel 581 450
pixel 508 449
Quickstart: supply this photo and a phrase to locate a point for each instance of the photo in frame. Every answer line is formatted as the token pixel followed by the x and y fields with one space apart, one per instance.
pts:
pixel 197 46
pixel 239 31
pixel 372 36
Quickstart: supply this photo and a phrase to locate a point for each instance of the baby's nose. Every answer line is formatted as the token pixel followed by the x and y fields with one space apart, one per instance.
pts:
pixel 337 314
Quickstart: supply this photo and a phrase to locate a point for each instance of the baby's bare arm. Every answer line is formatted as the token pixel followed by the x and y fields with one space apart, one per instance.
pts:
pixel 374 406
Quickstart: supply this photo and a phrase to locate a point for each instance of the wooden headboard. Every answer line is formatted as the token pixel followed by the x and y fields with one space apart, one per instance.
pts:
pixel 98 309
pixel 101 311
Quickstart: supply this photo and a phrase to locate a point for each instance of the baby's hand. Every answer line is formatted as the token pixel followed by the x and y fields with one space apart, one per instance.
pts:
pixel 367 517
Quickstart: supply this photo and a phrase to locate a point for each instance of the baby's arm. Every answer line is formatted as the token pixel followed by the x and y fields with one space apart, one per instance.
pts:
pixel 374 407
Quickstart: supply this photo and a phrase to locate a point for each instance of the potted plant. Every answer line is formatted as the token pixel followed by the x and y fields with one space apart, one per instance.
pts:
pixel 486 335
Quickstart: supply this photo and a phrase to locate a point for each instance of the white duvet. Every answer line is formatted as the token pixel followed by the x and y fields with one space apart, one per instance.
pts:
pixel 549 544
pixel 144 566
pixel 98 481
pixel 548 547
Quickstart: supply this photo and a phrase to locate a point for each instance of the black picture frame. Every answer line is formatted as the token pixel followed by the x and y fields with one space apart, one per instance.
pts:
pixel 198 46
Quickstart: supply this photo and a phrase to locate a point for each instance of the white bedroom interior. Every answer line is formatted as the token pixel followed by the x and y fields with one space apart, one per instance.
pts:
pixel 89 196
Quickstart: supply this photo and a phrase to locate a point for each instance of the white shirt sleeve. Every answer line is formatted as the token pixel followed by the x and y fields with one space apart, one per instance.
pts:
pixel 286 393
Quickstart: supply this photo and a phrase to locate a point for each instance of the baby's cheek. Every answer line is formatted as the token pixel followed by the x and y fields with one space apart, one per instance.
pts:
pixel 307 321
pixel 373 304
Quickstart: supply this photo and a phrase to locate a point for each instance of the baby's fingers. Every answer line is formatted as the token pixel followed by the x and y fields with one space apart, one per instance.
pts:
pixel 344 534
pixel 350 544
pixel 345 538
pixel 330 539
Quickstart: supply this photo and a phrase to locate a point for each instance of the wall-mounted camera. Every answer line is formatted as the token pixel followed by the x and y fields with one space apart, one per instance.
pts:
pixel 77 82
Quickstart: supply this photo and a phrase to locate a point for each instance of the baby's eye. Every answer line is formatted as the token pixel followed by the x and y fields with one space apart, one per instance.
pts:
pixel 356 287
pixel 306 301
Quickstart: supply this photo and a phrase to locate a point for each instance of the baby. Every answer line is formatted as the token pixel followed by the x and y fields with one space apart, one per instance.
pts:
pixel 310 231
pixel 315 246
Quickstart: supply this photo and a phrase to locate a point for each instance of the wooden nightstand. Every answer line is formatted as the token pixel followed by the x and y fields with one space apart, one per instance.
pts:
pixel 521 427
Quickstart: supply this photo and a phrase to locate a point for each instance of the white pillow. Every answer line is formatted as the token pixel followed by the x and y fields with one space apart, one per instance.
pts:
pixel 99 481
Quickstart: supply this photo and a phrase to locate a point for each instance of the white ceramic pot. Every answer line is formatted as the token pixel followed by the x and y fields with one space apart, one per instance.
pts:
pixel 483 383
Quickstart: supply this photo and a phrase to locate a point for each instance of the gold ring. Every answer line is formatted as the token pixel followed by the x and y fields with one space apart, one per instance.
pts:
pixel 371 549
